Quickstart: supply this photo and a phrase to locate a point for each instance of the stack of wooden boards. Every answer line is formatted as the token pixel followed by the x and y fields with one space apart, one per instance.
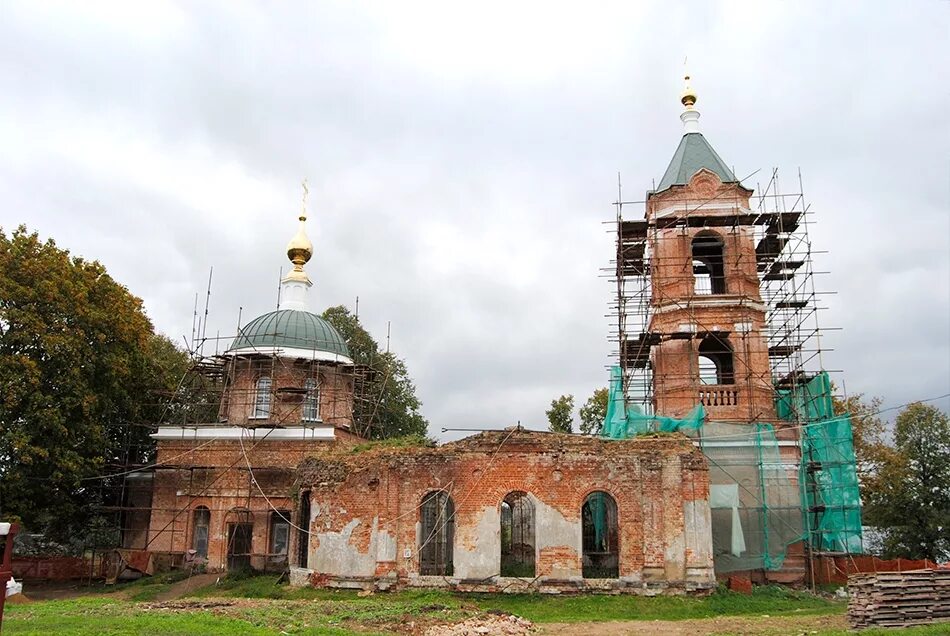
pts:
pixel 899 599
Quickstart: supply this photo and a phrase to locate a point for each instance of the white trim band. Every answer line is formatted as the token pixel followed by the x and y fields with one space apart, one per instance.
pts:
pixel 290 433
pixel 291 352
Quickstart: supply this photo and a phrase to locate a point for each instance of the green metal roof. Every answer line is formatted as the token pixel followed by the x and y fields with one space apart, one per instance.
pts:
pixel 693 154
pixel 291 329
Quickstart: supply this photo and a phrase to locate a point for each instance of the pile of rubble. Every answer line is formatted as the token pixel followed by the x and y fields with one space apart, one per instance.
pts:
pixel 496 625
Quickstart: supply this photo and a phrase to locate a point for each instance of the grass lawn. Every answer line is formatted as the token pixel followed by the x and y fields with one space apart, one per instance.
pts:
pixel 256 605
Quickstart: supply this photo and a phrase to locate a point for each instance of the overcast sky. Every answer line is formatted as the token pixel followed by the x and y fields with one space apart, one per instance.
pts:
pixel 463 161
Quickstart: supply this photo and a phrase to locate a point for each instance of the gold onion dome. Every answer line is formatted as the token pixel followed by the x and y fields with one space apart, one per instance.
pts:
pixel 688 97
pixel 299 251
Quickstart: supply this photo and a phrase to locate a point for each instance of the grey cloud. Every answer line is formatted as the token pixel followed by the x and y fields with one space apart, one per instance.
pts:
pixel 464 203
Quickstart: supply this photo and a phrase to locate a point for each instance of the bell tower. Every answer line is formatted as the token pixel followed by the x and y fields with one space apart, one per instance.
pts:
pixel 704 338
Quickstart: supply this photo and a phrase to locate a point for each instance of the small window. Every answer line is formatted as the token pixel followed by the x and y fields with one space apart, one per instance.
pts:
pixel 437 534
pixel 279 532
pixel 199 535
pixel 311 403
pixel 262 398
pixel 599 536
pixel 708 264
pixel 715 361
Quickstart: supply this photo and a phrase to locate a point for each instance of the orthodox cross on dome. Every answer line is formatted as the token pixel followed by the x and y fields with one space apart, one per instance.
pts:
pixel 296 283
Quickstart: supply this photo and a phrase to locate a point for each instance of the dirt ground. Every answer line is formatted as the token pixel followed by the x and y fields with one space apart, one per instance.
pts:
pixel 761 625
pixel 752 625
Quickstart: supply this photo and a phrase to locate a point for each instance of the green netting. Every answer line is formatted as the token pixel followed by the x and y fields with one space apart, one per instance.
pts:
pixel 810 402
pixel 763 501
pixel 623 421
pixel 754 496
pixel 829 472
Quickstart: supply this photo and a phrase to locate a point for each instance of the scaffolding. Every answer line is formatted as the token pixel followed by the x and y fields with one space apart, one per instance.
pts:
pixel 778 224
pixel 303 392
pixel 774 483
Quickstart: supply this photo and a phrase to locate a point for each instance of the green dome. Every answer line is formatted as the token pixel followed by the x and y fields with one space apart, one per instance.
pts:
pixel 293 333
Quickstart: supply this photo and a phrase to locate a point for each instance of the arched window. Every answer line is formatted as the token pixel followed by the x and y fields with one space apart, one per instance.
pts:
pixel 707 255
pixel 517 535
pixel 199 533
pixel 311 401
pixel 436 534
pixel 600 537
pixel 262 398
pixel 715 361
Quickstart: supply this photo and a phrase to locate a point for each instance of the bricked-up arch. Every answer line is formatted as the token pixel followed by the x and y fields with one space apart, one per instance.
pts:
pixel 437 534
pixel 708 268
pixel 716 350
pixel 517 535
pixel 600 537
pixel 201 524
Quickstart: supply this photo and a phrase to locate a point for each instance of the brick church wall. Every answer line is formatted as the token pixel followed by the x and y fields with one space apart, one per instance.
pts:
pixel 365 511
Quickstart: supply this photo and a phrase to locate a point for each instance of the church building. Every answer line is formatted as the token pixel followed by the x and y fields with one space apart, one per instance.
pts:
pixel 283 481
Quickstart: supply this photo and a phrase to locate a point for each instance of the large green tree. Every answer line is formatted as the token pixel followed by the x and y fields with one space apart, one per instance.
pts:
pixel 907 498
pixel 560 415
pixel 594 412
pixel 386 404
pixel 81 380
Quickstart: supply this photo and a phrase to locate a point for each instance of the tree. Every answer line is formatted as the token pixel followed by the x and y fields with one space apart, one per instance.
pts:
pixel 560 415
pixel 867 430
pixel 594 411
pixel 908 498
pixel 79 366
pixel 386 405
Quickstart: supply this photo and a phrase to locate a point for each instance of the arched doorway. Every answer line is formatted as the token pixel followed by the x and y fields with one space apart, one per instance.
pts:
pixel 240 525
pixel 601 557
pixel 437 533
pixel 517 535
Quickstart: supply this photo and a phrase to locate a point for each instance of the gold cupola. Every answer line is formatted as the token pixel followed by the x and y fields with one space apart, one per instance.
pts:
pixel 688 98
pixel 300 249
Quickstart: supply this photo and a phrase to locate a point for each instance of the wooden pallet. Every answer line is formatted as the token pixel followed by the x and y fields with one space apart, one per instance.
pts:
pixel 899 599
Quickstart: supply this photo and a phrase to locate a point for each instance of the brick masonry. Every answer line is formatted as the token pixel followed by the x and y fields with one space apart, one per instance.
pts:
pixel 366 522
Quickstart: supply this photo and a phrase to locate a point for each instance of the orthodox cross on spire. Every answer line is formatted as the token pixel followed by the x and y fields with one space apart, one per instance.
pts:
pixel 690 116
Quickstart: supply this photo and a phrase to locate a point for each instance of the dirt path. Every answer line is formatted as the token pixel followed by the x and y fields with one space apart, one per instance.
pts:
pixel 179 589
pixel 762 625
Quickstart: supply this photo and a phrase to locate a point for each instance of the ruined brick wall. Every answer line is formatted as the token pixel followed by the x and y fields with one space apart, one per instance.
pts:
pixel 365 517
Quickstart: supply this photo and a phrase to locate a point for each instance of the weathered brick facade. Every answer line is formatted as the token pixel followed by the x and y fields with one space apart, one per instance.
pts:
pixel 288 376
pixel 366 522
pixel 205 466
pixel 738 313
